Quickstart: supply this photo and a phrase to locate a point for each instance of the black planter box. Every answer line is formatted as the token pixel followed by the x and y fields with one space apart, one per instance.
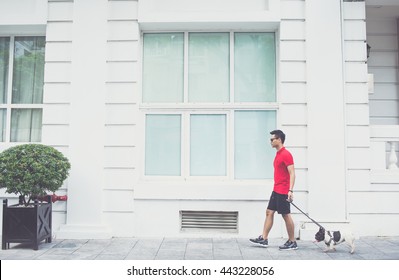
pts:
pixel 30 224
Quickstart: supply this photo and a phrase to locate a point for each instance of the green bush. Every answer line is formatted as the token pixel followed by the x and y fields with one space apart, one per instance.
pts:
pixel 32 170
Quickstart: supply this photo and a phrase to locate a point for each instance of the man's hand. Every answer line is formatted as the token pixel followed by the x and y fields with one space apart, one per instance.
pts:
pixel 290 197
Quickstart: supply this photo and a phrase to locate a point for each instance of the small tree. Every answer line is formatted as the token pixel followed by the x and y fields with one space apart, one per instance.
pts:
pixel 31 170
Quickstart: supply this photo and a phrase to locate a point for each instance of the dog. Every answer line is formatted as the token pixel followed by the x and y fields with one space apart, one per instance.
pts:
pixel 332 238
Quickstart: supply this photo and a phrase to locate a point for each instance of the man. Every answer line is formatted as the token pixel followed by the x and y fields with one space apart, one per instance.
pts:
pixel 282 195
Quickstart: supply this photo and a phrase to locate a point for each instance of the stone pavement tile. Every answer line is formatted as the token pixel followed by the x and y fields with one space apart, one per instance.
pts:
pixel 49 254
pixel 340 249
pixel 119 246
pixel 6 255
pixel 149 243
pixel 316 250
pixel 201 246
pixel 199 255
pixel 20 256
pixel 199 249
pixel 394 239
pixel 94 245
pixel 253 252
pixel 200 240
pixel 376 242
pixel 287 255
pixel 250 251
pixel 141 255
pixel 342 255
pixel 383 248
pixel 226 249
pixel 172 249
pixel 366 249
pixel 225 241
pixel 81 256
pixel 170 254
pixel 389 248
pixel 24 251
pixel 227 254
pixel 308 250
pixel 390 256
pixel 171 240
pixel 145 249
pixel 230 243
pixel 110 257
pixel 70 243
pixel 312 254
pixel 63 248
pixel 277 254
pixel 245 243
pixel 50 257
pixel 372 256
pixel 66 246
pixel 173 244
pixel 319 245
pixel 261 255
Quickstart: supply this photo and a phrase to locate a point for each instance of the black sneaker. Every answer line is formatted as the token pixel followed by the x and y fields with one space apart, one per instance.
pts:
pixel 289 245
pixel 260 241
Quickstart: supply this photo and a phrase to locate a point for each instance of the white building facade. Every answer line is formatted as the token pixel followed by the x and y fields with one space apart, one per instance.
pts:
pixel 164 108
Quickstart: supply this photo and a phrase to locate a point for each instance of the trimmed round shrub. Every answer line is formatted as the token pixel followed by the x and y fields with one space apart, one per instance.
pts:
pixel 32 170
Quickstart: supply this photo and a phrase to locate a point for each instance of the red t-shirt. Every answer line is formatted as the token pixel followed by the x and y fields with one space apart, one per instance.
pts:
pixel 281 175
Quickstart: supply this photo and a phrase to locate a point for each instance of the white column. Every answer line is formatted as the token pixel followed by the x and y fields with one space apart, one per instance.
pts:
pixel 87 108
pixel 326 111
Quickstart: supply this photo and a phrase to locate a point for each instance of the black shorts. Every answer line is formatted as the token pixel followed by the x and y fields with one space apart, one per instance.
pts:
pixel 278 202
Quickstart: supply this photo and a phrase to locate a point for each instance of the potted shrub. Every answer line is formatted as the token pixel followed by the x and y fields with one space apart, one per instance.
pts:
pixel 30 171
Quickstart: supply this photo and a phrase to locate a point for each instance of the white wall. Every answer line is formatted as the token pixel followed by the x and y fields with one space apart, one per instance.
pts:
pixel 22 13
pixel 207 14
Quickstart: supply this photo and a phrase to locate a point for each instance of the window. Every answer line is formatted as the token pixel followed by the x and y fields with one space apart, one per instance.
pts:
pixel 163 145
pixel 21 88
pixel 209 101
pixel 208 145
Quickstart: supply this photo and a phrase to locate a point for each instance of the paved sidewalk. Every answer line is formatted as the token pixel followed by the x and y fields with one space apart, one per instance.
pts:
pixel 367 248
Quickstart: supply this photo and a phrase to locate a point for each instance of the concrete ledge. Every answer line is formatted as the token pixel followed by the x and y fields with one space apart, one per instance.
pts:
pixel 83 232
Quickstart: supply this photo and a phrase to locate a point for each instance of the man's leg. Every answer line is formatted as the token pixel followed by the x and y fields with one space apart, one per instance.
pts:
pixel 268 223
pixel 262 239
pixel 289 224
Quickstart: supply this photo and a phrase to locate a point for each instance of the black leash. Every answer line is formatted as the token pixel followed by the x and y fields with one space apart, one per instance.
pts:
pixel 307 216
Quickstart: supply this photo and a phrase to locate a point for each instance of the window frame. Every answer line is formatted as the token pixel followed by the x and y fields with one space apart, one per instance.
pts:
pixel 185 109
pixel 9 106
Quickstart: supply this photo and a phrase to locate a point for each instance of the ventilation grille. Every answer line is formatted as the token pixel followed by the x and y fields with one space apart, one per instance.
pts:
pixel 221 221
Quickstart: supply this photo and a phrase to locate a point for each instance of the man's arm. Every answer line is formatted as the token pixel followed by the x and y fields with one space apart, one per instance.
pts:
pixel 291 171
